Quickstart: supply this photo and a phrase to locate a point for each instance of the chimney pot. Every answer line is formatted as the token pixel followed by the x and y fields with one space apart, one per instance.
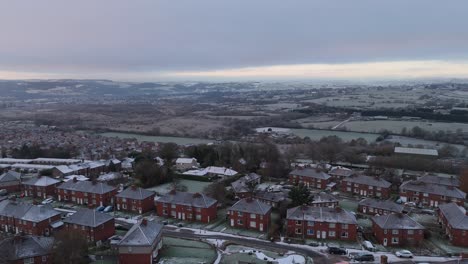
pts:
pixel 144 222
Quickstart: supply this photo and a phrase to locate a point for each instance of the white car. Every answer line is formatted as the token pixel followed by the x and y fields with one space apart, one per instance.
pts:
pixel 48 201
pixel 404 254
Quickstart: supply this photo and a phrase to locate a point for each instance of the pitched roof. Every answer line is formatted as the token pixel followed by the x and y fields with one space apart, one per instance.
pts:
pixel 10 176
pixel 396 221
pixel 321 214
pixel 311 173
pixel 368 180
pixel 241 184
pixel 27 212
pixel 135 193
pixel 270 196
pixel 449 181
pixel 41 181
pixel 455 215
pixel 17 248
pixel 340 171
pixel 88 217
pixel 382 204
pixel 87 186
pixel 324 197
pixel 144 233
pixel 419 186
pixel 185 160
pixel 251 206
pixel 188 199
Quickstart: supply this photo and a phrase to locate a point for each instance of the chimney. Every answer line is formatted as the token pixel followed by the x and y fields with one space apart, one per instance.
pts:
pixel 75 179
pixel 144 222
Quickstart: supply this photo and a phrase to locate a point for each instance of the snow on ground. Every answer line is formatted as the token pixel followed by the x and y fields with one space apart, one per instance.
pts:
pixel 129 221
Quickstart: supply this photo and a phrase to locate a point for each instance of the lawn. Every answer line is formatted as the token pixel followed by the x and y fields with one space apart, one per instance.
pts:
pixel 176 251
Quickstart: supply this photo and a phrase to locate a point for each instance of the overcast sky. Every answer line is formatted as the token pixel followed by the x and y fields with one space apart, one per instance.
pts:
pixel 239 39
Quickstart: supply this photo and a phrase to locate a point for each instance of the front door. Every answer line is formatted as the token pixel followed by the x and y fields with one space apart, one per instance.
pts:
pixel 364 209
pixel 232 222
pixel 318 234
pixel 324 234
pixel 261 227
pixel 385 242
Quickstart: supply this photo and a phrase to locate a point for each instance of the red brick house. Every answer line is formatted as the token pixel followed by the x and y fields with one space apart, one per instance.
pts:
pixel 133 199
pixel 187 206
pixel 40 187
pixel 141 244
pixel 244 186
pixel 321 223
pixel 371 206
pixel 454 221
pixel 324 199
pixel 397 230
pixel 250 213
pixel 340 173
pixel 366 186
pixel 87 193
pixel 39 220
pixel 10 181
pixel 27 249
pixel 95 226
pixel 429 194
pixel 313 178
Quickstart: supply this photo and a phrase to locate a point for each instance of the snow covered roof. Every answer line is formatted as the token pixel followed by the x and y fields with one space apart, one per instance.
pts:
pixel 212 170
pixel 88 217
pixel 396 221
pixel 185 160
pixel 144 233
pixel 455 215
pixel 251 206
pixel 87 187
pixel 77 177
pixel 186 198
pixel 321 214
pixel 41 181
pixel 10 176
pixel 417 151
pixel 24 247
pixel 135 193
pixel 311 173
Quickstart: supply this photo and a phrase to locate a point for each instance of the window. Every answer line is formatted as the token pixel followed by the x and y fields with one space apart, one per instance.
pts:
pixel 239 222
pixel 239 213
pixel 124 200
pixel 198 209
pixel 164 211
pixel 253 224
pixel 198 217
pixel 385 231
pixel 371 209
pixel 331 233
pixel 394 240
pixel 253 216
pixel 44 258
pixel 165 205
pixel 395 232
pixel 173 206
pixel 344 234
pixel 29 261
pixel 298 222
pixel 332 225
pixel 410 232
pixel 425 194
pixel 310 223
pixel 298 231
pixel 310 231
pixel 344 226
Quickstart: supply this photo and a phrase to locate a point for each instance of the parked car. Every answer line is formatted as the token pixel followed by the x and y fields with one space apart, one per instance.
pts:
pixel 3 192
pixel 108 209
pixel 115 239
pixel 314 244
pixel 100 208
pixel 48 201
pixel 404 254
pixel 337 250
pixel 368 245
pixel 362 256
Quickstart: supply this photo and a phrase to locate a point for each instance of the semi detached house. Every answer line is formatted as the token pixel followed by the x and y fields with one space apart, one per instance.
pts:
pixel 187 206
pixel 86 192
pixel 321 223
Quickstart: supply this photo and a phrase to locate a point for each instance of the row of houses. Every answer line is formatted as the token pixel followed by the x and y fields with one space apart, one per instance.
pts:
pixel 427 191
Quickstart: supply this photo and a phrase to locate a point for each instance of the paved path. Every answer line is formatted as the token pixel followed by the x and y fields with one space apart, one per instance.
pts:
pixel 316 256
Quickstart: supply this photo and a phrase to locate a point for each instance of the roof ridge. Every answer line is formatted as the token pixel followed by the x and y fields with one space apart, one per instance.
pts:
pixel 144 235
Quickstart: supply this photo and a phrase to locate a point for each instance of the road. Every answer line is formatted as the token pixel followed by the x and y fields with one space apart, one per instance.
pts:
pixel 316 256
pixel 340 124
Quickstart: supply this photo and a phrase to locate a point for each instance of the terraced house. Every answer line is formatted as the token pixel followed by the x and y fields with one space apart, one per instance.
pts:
pixel 312 178
pixel 39 220
pixel 10 181
pixel 454 221
pixel 397 230
pixel 95 226
pixel 141 244
pixel 135 199
pixel 40 187
pixel 367 186
pixel 250 213
pixel 324 199
pixel 429 194
pixel 27 250
pixel 321 223
pixel 86 193
pixel 381 207
pixel 187 206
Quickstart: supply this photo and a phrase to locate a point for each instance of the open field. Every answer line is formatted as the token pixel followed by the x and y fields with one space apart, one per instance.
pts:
pixel 396 126
pixel 158 139
pixel 314 134
pixel 183 251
